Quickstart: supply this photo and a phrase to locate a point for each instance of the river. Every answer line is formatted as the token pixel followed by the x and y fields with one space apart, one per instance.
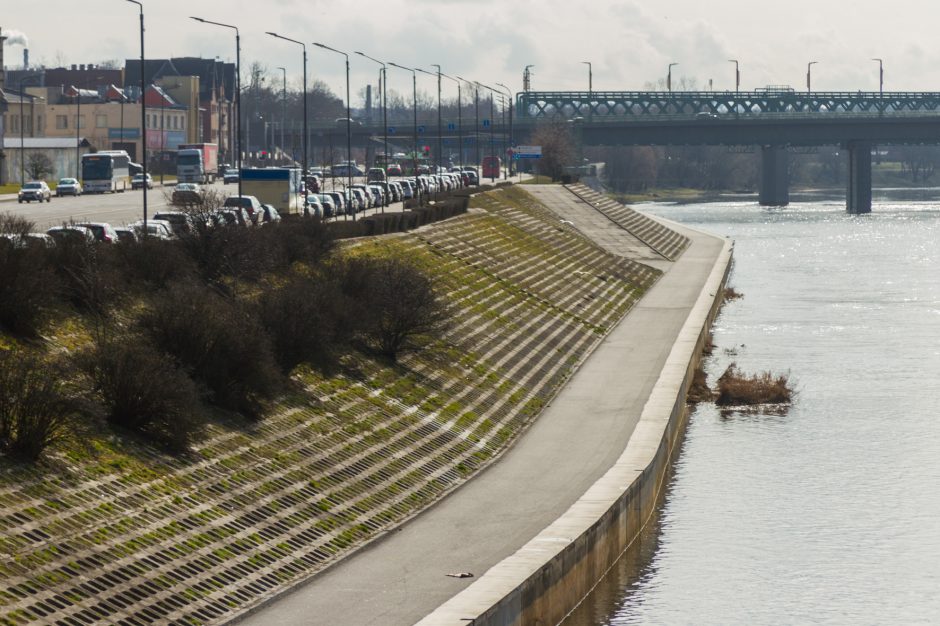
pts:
pixel 829 513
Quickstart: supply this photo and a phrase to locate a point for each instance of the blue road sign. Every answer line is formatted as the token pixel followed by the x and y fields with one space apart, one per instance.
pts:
pixel 420 129
pixel 486 123
pixel 451 126
pixel 391 130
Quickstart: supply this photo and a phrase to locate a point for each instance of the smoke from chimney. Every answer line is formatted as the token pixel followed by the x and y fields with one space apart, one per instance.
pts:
pixel 16 38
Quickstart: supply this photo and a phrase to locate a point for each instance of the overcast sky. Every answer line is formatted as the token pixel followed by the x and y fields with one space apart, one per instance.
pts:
pixel 629 43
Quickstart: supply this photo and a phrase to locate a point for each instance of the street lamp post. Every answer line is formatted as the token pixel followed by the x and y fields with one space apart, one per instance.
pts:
pixel 459 121
pixel 809 84
pixel 476 99
pixel 492 120
pixel 284 107
pixel 737 75
pixel 143 112
pixel 349 160
pixel 440 147
pixel 414 87
pixel 384 110
pixel 881 76
pixel 304 46
pixel 669 76
pixel 511 142
pixel 238 95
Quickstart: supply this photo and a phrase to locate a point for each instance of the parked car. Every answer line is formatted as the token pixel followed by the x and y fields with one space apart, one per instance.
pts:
pixel 269 214
pixel 314 208
pixel 375 174
pixel 378 196
pixel 34 190
pixel 157 229
pixel 71 234
pixel 338 201
pixel 180 222
pixel 407 188
pixel 367 201
pixel 231 216
pixel 140 180
pixel 230 176
pixel 187 193
pixel 329 205
pixel 249 203
pixel 27 240
pixel 126 234
pixel 68 187
pixel 393 170
pixel 472 175
pixel 104 232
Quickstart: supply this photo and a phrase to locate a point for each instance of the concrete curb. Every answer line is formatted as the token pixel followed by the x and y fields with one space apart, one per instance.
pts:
pixel 547 578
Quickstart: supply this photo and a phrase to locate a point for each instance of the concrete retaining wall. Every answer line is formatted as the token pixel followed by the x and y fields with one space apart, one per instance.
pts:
pixel 547 578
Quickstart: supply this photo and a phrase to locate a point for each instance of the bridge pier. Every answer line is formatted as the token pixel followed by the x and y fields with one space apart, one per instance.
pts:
pixel 774 176
pixel 858 194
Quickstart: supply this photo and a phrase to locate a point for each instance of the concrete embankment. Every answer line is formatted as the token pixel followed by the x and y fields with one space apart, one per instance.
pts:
pixel 543 581
pixel 537 529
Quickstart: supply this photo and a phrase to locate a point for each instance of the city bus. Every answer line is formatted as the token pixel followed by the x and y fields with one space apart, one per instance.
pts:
pixel 491 167
pixel 107 170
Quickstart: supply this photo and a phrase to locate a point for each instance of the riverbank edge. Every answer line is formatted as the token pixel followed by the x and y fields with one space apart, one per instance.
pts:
pixel 548 577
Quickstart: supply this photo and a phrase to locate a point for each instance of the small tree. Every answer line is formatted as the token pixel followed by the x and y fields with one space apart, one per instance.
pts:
pixel 38 165
pixel 397 303
pixel 558 147
pixel 35 408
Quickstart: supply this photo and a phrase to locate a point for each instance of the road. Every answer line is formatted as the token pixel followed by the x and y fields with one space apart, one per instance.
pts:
pixel 119 209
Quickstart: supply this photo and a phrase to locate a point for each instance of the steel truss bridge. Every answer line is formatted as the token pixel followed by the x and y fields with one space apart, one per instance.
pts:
pixel 640 105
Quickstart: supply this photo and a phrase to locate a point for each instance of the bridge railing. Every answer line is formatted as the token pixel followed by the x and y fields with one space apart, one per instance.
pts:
pixel 621 105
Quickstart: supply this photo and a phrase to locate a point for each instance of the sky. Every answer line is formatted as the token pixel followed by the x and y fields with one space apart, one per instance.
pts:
pixel 629 43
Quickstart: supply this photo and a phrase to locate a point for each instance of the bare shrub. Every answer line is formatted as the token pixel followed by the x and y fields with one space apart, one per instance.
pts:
pixel 300 239
pixel 143 390
pixel 397 303
pixel 219 342
pixel 88 274
pixel 736 389
pixel 154 263
pixel 305 318
pixel 36 409
pixel 28 289
pixel 699 390
pixel 11 224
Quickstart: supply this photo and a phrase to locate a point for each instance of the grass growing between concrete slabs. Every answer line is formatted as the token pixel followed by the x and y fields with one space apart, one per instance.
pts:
pixel 113 531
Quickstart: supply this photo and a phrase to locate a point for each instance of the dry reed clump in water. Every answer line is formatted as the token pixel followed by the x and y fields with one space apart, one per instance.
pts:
pixel 732 294
pixel 699 391
pixel 736 389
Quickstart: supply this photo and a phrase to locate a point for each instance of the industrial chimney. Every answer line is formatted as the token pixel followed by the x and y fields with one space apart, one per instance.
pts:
pixel 25 58
pixel 3 70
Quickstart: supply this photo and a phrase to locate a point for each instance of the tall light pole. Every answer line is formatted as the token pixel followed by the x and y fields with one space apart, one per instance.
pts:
pixel 238 95
pixel 669 76
pixel 414 86
pixel 304 46
pixel 349 160
pixel 143 111
pixel 881 76
pixel 809 84
pixel 737 75
pixel 459 120
pixel 384 110
pixel 492 125
pixel 284 108
pixel 511 142
pixel 440 146
pixel 476 99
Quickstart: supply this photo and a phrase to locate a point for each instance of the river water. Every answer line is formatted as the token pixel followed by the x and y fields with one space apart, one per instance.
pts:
pixel 829 513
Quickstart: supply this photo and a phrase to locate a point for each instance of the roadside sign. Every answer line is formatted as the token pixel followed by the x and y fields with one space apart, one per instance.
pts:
pixel 486 123
pixel 420 129
pixel 391 130
pixel 527 152
pixel 451 126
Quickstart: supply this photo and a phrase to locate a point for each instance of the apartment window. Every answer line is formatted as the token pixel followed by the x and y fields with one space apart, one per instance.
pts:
pixel 101 121
pixel 61 121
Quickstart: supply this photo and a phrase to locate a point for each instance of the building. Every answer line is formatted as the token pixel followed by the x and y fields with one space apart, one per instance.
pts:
pixel 64 153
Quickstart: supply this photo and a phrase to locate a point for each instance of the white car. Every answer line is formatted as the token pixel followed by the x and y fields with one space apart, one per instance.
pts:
pixel 158 229
pixel 68 187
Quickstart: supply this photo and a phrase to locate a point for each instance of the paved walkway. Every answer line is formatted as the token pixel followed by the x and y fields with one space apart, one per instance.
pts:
pixel 403 577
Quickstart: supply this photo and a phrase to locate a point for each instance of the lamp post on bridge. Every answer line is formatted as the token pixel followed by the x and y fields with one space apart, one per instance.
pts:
pixel 809 76
pixel 881 76
pixel 737 75
pixel 669 76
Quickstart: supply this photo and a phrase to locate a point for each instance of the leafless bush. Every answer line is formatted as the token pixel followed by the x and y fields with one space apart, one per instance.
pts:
pixel 736 389
pixel 143 390
pixel 219 342
pixel 36 410
pixel 28 289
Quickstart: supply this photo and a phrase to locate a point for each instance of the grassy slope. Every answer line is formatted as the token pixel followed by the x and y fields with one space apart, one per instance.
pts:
pixel 108 528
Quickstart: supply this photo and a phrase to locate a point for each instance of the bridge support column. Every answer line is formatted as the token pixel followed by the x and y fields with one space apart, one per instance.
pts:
pixel 774 176
pixel 858 194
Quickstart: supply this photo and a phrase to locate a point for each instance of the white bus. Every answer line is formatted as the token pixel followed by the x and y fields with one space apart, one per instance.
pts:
pixel 106 170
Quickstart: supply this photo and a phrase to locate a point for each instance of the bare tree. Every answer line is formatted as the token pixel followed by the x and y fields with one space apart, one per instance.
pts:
pixel 38 165
pixel 558 147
